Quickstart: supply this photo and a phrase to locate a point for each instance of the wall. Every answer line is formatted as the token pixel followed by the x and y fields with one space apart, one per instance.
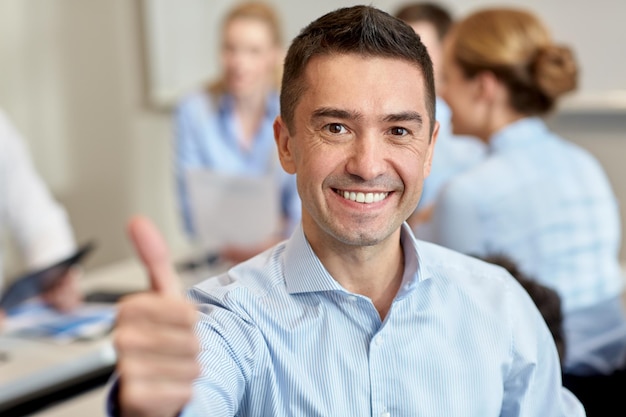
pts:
pixel 592 29
pixel 73 79
pixel 72 82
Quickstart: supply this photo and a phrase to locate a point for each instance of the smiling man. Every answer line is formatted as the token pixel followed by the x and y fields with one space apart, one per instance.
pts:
pixel 351 316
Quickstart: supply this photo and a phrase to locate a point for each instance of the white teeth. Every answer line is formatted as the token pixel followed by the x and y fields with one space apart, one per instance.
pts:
pixel 365 198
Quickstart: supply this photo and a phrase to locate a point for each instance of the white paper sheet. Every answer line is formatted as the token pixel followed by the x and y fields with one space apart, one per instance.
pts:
pixel 229 209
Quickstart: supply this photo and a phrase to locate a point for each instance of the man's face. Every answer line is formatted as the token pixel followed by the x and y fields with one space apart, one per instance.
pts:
pixel 360 147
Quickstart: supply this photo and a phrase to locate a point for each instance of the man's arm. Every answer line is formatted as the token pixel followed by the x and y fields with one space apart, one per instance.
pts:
pixel 533 386
pixel 38 223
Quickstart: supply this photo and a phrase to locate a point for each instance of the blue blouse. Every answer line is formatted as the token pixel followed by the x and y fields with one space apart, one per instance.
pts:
pixel 207 136
pixel 547 204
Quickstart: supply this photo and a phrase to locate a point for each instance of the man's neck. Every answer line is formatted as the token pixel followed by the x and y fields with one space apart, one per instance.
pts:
pixel 372 271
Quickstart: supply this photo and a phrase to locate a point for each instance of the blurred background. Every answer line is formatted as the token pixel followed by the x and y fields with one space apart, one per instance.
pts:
pixel 90 85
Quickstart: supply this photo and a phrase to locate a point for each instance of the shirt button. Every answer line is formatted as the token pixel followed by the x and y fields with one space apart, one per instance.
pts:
pixel 353 298
pixel 378 340
pixel 385 414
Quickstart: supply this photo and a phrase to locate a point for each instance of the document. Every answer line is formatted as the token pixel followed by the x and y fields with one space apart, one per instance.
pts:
pixel 232 209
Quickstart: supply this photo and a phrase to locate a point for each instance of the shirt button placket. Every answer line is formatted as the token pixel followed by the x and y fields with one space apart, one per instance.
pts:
pixel 377 368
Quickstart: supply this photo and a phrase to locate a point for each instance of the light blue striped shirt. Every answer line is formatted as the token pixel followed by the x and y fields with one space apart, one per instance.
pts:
pixel 280 337
pixel 547 204
pixel 207 136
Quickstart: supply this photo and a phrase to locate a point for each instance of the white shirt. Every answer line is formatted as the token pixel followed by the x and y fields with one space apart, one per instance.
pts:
pixel 28 212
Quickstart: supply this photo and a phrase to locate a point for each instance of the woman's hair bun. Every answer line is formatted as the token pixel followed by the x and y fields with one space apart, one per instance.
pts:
pixel 555 71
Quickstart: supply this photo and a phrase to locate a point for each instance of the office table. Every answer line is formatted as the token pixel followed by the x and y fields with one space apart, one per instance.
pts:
pixel 35 370
pixel 88 404
pixel 40 370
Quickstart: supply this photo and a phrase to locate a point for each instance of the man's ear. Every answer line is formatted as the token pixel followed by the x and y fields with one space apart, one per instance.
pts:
pixel 284 145
pixel 428 161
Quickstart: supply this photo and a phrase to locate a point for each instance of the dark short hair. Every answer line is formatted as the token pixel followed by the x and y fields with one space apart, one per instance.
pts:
pixel 432 13
pixel 360 30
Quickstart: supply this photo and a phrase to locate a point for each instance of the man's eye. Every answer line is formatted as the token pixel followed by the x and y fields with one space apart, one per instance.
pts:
pixel 399 131
pixel 335 128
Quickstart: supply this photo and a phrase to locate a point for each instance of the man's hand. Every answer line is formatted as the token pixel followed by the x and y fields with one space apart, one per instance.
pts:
pixel 154 337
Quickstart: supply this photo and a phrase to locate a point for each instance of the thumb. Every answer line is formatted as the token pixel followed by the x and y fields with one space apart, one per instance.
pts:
pixel 154 254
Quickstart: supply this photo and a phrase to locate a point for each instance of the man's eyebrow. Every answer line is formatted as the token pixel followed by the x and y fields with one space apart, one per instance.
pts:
pixel 334 113
pixel 409 116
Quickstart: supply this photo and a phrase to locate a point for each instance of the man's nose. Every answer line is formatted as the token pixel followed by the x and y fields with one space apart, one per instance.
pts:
pixel 367 157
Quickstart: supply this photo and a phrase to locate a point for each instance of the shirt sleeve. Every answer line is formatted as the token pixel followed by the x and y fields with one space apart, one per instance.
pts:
pixel 229 346
pixel 533 385
pixel 186 156
pixel 456 220
pixel 38 224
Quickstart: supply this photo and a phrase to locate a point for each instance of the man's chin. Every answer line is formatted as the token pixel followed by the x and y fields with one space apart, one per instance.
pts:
pixel 360 238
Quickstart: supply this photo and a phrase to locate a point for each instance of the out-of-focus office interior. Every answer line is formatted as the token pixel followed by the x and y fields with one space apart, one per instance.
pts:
pixel 90 86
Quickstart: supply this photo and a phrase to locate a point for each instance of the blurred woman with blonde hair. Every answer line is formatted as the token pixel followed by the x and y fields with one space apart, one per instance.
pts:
pixel 227 126
pixel 537 198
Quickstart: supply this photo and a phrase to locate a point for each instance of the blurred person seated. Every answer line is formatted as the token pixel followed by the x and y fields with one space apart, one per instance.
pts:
pixel 34 220
pixel 453 153
pixel 537 198
pixel 227 126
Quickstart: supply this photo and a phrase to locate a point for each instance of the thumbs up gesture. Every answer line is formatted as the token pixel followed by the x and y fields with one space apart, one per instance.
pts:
pixel 154 338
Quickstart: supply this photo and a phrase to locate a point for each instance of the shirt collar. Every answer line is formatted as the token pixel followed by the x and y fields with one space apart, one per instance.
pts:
pixel 517 134
pixel 304 271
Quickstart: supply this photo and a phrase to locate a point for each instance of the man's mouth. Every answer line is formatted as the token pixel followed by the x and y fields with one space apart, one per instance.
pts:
pixel 361 197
